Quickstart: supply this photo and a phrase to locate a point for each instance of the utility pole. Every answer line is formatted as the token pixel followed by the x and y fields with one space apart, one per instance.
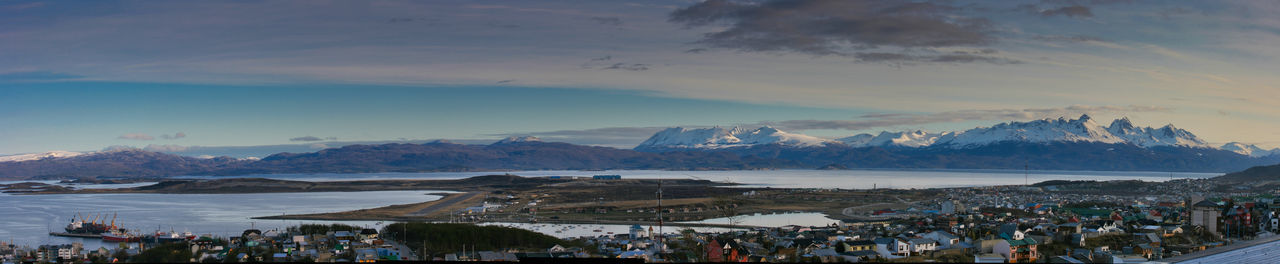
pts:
pixel 660 242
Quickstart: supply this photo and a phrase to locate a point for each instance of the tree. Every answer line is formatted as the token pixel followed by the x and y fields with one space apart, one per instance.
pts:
pixel 165 253
pixel 728 210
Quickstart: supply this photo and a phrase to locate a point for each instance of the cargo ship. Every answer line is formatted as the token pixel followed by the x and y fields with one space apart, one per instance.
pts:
pixel 82 226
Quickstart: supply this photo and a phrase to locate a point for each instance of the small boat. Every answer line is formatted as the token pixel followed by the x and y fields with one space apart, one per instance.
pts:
pixel 597 230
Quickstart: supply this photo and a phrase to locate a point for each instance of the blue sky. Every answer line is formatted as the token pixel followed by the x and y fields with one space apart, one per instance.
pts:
pixel 86 75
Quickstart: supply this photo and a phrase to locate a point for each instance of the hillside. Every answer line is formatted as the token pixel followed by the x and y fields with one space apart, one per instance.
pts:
pixel 430 157
pixel 1254 174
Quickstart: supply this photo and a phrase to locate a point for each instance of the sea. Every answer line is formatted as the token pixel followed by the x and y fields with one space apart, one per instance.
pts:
pixel 27 219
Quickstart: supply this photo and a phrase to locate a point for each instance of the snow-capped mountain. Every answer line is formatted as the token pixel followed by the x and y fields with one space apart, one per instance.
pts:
pixel 1083 129
pixel 1038 131
pixel 37 156
pixel 911 139
pixel 719 137
pixel 1150 137
pixel 513 140
pixel 1249 150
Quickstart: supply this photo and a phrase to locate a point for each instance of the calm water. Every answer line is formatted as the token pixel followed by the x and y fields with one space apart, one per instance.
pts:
pixel 29 218
pixel 847 179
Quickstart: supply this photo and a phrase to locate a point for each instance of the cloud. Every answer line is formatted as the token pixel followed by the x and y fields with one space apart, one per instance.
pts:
pixel 889 120
pixel 1068 11
pixel 620 137
pixel 956 57
pixel 36 76
pixel 626 66
pixel 174 136
pixel 506 81
pixel 833 27
pixel 1066 38
pixel 611 21
pixel 605 63
pixel 136 136
pixel 119 148
pixel 306 138
pixel 165 148
pixel 22 6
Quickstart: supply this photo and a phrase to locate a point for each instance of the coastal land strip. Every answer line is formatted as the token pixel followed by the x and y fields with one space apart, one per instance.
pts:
pixel 511 198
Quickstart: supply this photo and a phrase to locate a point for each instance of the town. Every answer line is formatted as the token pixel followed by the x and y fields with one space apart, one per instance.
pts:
pixel 1054 221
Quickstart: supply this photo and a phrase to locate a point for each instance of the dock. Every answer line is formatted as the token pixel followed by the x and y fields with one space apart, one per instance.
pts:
pixel 62 234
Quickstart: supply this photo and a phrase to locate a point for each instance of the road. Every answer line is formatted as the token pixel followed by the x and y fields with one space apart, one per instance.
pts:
pixel 1262 250
pixel 405 252
pixel 446 202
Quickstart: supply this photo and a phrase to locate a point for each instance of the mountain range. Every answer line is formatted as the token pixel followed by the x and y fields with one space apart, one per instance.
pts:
pixel 1081 130
pixel 516 153
pixel 1049 144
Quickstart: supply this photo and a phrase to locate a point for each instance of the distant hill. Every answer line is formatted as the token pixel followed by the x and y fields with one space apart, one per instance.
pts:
pixel 429 157
pixel 1255 174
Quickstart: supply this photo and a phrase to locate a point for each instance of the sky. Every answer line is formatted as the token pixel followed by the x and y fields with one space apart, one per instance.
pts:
pixel 92 75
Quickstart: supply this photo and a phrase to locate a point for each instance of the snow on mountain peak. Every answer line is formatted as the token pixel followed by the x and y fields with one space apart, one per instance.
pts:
pixel 718 137
pixel 521 139
pixel 1249 150
pixel 1037 131
pixel 1120 125
pixel 37 156
pixel 1082 129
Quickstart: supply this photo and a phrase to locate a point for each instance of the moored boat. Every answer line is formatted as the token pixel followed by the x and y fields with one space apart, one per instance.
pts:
pixel 120 235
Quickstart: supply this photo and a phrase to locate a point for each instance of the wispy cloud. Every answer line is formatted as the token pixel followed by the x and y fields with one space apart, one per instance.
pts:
pixel 620 137
pixel 165 148
pixel 136 136
pixel 611 21
pixel 311 139
pixel 890 120
pixel 607 63
pixel 37 76
pixel 1068 11
pixel 174 136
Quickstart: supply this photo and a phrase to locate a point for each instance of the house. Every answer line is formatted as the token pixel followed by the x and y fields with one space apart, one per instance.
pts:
pixel 1205 214
pixel 1017 251
pixel 637 254
pixel 892 246
pixel 1015 246
pixel 920 245
pixel 826 255
pixel 368 234
pixel 715 251
pixel 858 245
pixel 860 255
pixel 945 239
